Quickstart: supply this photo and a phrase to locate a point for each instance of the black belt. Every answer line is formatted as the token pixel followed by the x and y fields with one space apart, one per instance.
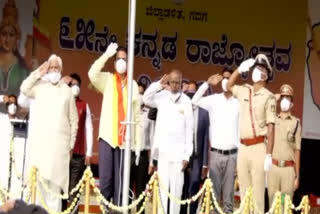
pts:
pixel 224 152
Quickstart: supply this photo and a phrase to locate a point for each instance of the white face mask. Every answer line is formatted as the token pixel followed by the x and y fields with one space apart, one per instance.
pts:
pixel 75 90
pixel 224 83
pixel 12 109
pixel 45 77
pixel 285 104
pixel 54 77
pixel 121 66
pixel 256 75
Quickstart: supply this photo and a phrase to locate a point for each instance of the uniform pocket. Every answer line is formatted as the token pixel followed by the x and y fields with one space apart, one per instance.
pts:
pixel 291 136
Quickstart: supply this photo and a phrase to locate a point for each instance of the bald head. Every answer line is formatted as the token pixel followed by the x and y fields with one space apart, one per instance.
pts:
pixel 175 79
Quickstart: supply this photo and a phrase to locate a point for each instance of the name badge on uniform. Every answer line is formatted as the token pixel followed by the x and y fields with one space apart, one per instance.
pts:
pixel 273 108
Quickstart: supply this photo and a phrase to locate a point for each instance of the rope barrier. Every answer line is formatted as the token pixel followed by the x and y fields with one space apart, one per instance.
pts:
pixel 153 189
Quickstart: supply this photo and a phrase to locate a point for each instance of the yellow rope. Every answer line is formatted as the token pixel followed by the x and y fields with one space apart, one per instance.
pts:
pixel 68 210
pixel 247 205
pixel 185 201
pixel 66 195
pixel 110 205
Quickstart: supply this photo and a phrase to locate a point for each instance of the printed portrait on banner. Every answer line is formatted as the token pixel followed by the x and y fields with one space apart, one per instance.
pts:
pixel 15 43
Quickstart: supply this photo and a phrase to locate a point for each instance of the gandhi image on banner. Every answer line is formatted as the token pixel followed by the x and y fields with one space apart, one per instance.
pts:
pixel 311 107
pixel 313 51
pixel 15 31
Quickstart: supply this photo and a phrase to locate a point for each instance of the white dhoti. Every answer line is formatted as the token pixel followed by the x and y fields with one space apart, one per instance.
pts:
pixel 53 202
pixel 171 177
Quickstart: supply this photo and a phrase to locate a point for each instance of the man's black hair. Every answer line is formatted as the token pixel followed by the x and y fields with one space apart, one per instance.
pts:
pixel 121 48
pixel 76 77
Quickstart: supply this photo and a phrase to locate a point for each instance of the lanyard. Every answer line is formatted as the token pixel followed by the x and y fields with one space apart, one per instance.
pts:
pixel 251 113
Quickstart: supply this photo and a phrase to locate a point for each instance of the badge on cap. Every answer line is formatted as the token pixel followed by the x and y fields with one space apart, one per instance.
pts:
pixel 286 90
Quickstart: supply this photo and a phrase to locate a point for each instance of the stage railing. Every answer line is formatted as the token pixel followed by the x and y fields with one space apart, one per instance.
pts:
pixel 151 194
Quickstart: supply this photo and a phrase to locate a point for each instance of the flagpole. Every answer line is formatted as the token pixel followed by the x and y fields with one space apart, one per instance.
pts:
pixel 129 122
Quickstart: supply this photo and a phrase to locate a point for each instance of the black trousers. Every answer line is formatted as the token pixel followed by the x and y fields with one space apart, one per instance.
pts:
pixel 139 174
pixel 111 172
pixel 76 170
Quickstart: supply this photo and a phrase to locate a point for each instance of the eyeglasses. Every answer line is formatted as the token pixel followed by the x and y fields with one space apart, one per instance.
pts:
pixel 175 82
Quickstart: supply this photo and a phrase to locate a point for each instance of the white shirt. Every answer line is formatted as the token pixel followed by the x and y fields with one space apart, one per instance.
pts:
pixel 89 132
pixel 174 125
pixel 147 129
pixel 224 118
pixel 27 102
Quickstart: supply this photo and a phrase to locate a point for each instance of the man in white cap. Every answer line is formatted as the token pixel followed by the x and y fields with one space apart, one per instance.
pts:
pixel 257 119
pixel 55 125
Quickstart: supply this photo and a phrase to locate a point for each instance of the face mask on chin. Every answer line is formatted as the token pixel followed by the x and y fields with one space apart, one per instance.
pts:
pixel 121 66
pixel 285 104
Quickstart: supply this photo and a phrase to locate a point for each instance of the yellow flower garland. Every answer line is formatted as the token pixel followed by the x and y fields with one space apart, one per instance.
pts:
pixel 247 205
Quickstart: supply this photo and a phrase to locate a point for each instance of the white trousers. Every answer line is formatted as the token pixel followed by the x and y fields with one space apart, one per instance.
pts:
pixel 54 203
pixel 171 177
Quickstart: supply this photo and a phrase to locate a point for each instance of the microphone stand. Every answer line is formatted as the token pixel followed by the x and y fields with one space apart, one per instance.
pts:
pixel 24 153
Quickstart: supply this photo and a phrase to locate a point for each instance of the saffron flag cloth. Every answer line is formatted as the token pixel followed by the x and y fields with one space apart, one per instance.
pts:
pixel 119 106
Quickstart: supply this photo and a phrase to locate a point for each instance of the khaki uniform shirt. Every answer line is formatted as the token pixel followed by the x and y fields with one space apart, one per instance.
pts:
pixel 263 110
pixel 287 137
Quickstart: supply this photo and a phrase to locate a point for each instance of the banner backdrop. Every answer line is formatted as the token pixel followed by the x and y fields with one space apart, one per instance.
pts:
pixel 15 44
pixel 197 37
pixel 311 112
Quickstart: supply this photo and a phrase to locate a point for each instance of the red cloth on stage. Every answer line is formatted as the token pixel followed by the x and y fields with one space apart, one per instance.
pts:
pixel 79 146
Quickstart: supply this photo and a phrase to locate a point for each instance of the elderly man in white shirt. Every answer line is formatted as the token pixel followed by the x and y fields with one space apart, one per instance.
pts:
pixel 54 128
pixel 173 134
pixel 224 136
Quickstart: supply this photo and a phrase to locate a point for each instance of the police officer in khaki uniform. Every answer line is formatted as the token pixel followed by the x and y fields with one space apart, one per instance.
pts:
pixel 257 119
pixel 284 174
